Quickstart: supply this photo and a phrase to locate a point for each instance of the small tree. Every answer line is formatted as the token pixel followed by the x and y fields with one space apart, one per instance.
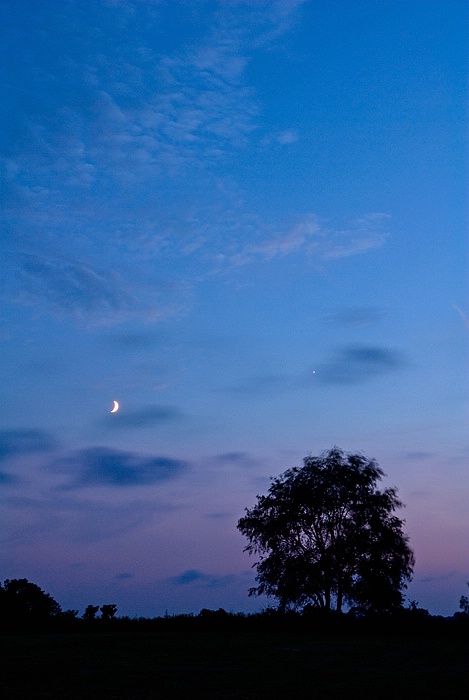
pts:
pixel 326 535
pixel 108 611
pixel 464 603
pixel 90 612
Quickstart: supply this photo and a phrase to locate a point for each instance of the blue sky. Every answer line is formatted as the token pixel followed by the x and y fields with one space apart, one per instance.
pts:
pixel 247 223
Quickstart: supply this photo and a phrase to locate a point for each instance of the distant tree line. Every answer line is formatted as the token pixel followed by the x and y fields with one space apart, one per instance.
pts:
pixel 25 607
pixel 108 611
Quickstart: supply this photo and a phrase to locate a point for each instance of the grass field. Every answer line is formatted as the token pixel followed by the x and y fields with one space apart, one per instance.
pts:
pixel 239 664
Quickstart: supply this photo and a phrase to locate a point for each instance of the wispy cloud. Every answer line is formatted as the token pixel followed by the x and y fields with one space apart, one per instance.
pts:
pixel 357 364
pixel 124 576
pixel 7 479
pixel 462 315
pixel 302 235
pixel 440 577
pixel 90 294
pixel 360 236
pixel 219 515
pixel 102 466
pixel 118 126
pixel 134 341
pixel 355 317
pixel 188 576
pixel 311 237
pixel 91 181
pixel 239 459
pixel 148 417
pixel 19 442
pixel 72 286
pixel 73 518
pixel 287 137
pixel 197 577
pixel 419 456
pixel 262 384
pixel 148 112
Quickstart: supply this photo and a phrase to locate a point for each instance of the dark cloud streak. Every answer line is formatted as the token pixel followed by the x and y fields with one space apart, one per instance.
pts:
pixel 24 441
pixel 102 466
pixel 7 479
pixel 357 364
pixel 194 576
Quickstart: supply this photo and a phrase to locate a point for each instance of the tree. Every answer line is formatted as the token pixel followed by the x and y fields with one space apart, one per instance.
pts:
pixel 464 603
pixel 90 612
pixel 326 535
pixel 108 611
pixel 24 602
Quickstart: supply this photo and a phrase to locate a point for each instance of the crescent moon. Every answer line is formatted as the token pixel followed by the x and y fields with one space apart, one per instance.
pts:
pixel 116 407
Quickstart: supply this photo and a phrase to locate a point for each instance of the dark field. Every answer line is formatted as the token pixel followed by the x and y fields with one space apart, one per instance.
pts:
pixel 205 663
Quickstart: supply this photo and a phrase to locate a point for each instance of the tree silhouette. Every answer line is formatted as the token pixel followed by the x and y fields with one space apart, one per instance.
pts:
pixel 24 602
pixel 90 612
pixel 464 603
pixel 326 535
pixel 108 611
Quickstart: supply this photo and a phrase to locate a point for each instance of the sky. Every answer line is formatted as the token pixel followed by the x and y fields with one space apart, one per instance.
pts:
pixel 246 222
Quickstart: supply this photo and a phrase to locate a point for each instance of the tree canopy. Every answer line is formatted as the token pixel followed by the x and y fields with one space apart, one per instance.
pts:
pixel 108 611
pixel 326 535
pixel 24 602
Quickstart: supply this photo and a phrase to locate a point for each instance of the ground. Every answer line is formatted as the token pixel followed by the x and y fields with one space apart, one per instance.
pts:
pixel 211 663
